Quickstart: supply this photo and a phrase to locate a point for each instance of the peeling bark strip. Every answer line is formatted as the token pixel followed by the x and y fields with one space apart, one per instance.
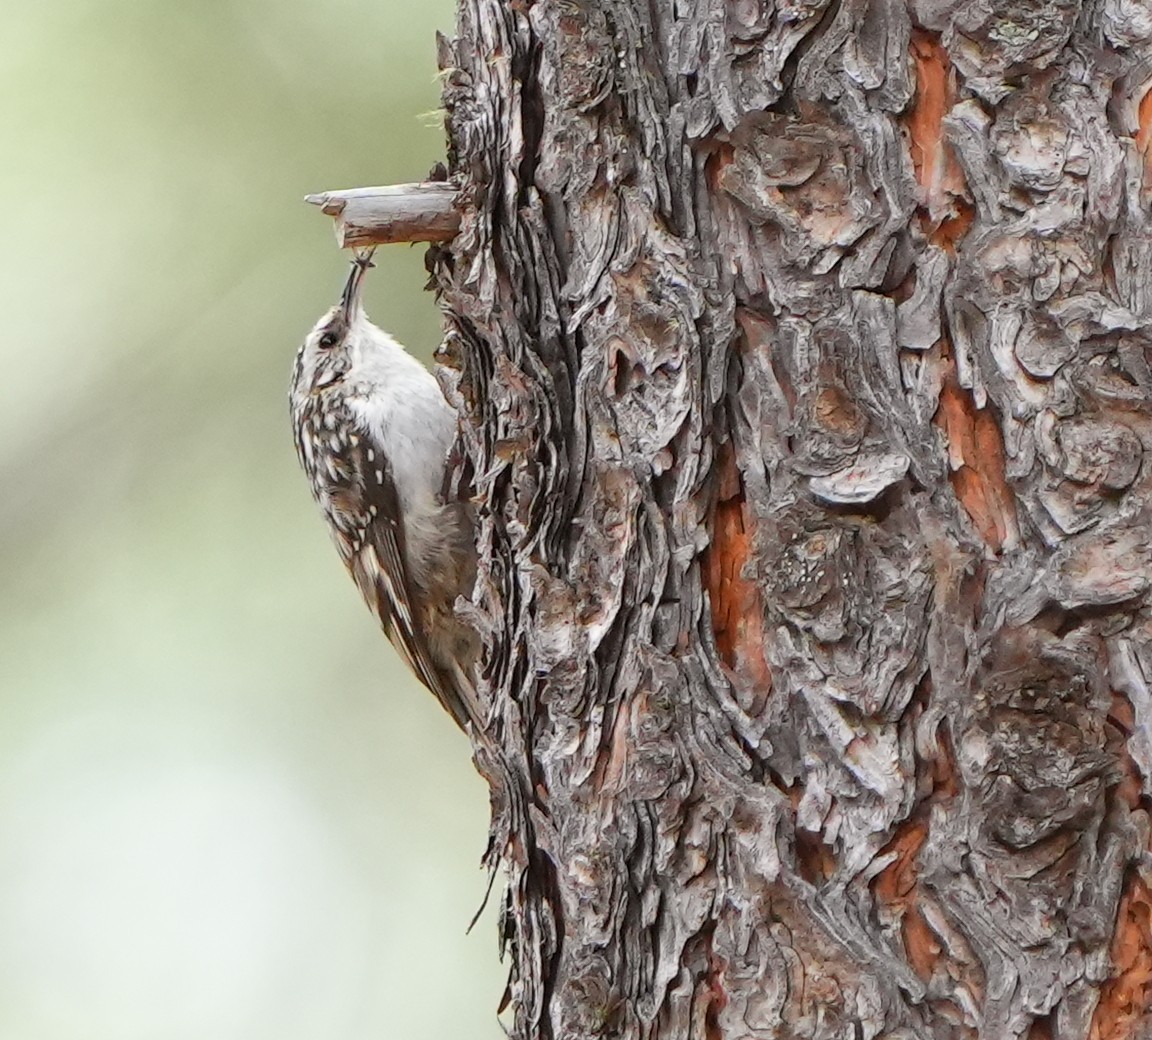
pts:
pixel 804 357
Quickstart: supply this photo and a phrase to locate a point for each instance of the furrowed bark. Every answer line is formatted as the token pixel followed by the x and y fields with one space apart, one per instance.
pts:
pixel 803 354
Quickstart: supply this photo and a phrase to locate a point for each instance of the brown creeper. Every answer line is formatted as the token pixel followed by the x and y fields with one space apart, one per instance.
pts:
pixel 373 432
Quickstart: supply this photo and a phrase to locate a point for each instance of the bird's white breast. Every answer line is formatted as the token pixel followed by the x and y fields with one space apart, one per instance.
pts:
pixel 398 403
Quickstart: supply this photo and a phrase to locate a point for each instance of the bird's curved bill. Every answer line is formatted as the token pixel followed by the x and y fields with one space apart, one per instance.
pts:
pixel 354 287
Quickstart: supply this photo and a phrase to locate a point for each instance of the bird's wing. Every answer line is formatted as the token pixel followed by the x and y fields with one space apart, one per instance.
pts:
pixel 378 566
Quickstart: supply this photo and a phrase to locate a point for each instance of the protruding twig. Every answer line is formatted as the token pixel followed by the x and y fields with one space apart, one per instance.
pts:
pixel 394 213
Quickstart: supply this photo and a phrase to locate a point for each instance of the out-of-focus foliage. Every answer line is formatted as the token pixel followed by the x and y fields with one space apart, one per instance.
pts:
pixel 226 812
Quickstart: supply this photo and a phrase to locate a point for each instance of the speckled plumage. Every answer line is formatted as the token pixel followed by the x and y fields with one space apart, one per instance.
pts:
pixel 372 432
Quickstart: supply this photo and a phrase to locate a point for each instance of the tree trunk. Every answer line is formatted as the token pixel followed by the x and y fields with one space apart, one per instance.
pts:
pixel 803 350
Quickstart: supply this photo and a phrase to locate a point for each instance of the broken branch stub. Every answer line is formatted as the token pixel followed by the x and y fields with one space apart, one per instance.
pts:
pixel 393 213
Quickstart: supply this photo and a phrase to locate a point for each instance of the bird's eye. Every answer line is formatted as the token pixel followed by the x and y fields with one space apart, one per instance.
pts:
pixel 329 339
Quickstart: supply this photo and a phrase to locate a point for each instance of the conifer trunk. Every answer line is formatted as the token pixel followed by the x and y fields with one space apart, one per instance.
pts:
pixel 803 349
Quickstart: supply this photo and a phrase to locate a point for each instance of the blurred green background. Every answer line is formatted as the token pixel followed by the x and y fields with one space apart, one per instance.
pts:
pixel 226 811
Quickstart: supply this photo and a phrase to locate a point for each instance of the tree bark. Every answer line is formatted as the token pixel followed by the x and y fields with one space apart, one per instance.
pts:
pixel 803 354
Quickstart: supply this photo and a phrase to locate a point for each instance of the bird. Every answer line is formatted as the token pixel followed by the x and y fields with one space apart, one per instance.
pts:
pixel 373 433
